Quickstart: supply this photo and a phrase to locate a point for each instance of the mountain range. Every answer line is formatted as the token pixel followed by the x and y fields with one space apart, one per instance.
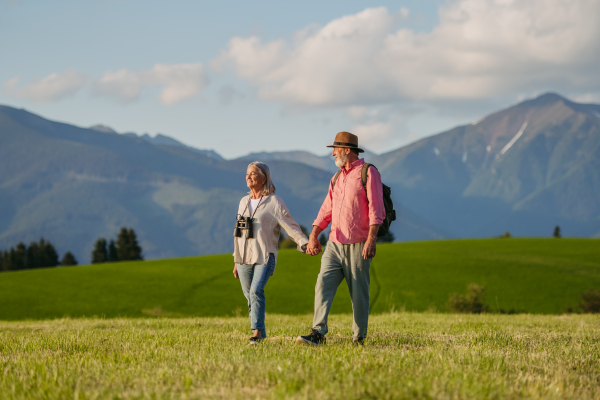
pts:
pixel 523 169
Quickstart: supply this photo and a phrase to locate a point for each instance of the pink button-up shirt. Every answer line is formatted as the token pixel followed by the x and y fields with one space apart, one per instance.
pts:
pixel 349 209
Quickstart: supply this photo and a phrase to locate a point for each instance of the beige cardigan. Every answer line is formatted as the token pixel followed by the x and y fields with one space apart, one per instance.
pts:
pixel 271 215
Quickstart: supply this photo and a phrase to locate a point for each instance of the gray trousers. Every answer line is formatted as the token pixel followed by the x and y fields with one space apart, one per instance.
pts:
pixel 339 262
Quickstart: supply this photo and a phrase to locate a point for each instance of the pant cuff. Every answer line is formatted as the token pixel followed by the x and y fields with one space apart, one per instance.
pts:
pixel 320 330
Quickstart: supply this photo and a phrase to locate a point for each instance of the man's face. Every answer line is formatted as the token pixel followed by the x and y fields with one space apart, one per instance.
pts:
pixel 341 156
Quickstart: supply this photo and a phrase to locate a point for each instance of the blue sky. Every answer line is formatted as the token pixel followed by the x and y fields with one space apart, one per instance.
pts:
pixel 239 77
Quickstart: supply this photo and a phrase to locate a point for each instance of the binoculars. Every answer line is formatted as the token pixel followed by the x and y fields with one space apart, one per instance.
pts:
pixel 244 223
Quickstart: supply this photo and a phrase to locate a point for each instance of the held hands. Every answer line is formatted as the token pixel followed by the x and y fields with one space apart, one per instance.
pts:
pixel 314 246
pixel 235 273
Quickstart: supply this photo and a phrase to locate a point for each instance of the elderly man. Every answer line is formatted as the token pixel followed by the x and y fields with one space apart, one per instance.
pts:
pixel 355 215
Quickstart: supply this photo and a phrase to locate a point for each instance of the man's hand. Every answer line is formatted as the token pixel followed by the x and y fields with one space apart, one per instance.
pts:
pixel 314 246
pixel 370 248
pixel 371 244
pixel 235 273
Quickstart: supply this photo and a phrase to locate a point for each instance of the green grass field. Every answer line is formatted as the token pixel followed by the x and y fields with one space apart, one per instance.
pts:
pixel 407 355
pixel 203 352
pixel 533 275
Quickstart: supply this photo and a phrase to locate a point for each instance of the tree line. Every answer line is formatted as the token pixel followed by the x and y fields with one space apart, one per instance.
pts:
pixel 126 248
pixel 43 254
pixel 40 254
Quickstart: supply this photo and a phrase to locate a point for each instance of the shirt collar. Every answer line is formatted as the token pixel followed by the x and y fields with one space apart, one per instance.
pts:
pixel 356 163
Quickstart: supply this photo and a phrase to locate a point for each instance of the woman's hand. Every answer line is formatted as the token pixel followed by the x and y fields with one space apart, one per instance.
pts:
pixel 235 273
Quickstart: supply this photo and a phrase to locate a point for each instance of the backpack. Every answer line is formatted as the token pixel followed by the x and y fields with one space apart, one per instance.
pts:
pixel 390 213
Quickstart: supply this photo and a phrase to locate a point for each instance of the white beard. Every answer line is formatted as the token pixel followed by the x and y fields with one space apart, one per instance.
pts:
pixel 341 161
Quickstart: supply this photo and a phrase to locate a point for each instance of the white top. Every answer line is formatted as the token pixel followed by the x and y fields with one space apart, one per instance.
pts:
pixel 271 216
pixel 253 204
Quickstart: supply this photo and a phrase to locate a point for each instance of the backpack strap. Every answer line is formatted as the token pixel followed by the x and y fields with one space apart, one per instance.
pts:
pixel 335 178
pixel 365 169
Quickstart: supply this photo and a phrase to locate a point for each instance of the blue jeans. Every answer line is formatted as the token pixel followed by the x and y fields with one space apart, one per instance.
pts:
pixel 253 279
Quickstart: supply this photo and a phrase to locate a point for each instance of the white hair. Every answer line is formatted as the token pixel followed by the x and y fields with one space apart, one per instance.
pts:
pixel 268 186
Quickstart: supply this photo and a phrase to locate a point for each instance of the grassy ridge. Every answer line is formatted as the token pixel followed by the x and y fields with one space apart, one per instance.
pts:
pixel 407 355
pixel 533 275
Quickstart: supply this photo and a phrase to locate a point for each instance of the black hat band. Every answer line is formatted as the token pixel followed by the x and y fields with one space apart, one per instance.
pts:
pixel 344 144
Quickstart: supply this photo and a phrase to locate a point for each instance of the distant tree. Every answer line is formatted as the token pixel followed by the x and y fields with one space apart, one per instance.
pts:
pixel 590 301
pixel 472 302
pixel 47 255
pixel 304 230
pixel 37 255
pixel 287 243
pixel 389 238
pixel 4 265
pixel 19 255
pixel 323 239
pixel 557 232
pixel 505 235
pixel 112 252
pixel 123 245
pixel 32 256
pixel 68 259
pixel 6 261
pixel 127 245
pixel 99 254
pixel 10 260
pixel 135 248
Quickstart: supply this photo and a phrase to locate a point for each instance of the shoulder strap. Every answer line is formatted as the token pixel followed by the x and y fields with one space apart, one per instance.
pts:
pixel 335 178
pixel 365 169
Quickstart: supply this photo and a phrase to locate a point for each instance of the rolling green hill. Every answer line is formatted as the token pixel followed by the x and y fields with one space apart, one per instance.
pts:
pixel 532 275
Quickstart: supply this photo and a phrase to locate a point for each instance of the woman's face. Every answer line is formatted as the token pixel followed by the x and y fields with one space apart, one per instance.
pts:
pixel 254 179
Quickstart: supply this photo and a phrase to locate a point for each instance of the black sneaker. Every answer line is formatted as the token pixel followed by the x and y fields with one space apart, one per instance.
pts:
pixel 255 340
pixel 359 340
pixel 314 339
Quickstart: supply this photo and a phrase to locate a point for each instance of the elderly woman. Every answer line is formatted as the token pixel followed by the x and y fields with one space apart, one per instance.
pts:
pixel 255 243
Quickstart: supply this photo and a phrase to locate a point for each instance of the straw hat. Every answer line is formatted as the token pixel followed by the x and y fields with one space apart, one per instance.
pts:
pixel 348 140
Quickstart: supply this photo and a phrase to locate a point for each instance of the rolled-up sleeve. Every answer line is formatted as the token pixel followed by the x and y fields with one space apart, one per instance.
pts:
pixel 375 196
pixel 324 216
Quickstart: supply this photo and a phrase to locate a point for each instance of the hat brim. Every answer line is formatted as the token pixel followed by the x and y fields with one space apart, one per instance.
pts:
pixel 349 147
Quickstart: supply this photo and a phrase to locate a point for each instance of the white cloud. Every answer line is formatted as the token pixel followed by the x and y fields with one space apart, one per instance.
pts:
pixel 121 84
pixel 586 98
pixel 178 82
pixel 379 127
pixel 375 136
pixel 356 113
pixel 53 87
pixel 479 49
